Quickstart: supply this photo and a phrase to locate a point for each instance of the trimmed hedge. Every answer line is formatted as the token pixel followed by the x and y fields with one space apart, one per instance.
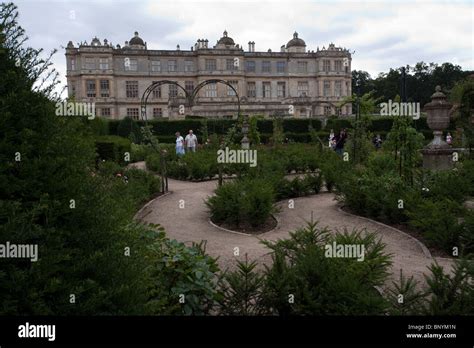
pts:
pixel 112 147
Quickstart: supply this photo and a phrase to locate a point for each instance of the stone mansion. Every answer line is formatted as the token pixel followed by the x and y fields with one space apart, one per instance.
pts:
pixel 293 82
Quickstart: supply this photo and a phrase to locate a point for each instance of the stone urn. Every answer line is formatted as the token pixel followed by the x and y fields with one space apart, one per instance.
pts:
pixel 438 117
pixel 437 155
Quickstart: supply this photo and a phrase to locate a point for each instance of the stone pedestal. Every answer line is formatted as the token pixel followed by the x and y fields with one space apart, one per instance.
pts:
pixel 437 159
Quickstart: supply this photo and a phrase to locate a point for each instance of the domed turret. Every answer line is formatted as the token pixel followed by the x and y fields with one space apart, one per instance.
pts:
pixel 136 41
pixel 296 44
pixel 226 40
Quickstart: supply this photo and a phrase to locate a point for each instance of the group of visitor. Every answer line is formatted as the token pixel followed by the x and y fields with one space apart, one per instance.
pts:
pixel 190 143
pixel 337 142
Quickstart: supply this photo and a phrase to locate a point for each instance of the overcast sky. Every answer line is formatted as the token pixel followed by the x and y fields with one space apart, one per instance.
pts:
pixel 383 34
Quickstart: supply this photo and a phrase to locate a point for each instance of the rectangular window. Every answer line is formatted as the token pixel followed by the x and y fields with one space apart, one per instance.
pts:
pixel 188 66
pixel 73 64
pixel 130 64
pixel 281 67
pixel 327 89
pixel 189 86
pixel 173 91
pixel 131 89
pixel 303 89
pixel 133 113
pixel 338 65
pixel 155 65
pixel 338 88
pixel 348 89
pixel 251 90
pixel 104 63
pixel 281 89
pixel 266 90
pixel 73 91
pixel 302 67
pixel 250 66
pixel 89 63
pixel 104 88
pixel 157 112
pixel 230 91
pixel 172 66
pixel 327 110
pixel 229 64
pixel 90 88
pixel 105 112
pixel 211 90
pixel 156 92
pixel 326 65
pixel 266 66
pixel 211 65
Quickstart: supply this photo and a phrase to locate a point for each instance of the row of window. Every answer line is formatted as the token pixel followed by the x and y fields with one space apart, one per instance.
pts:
pixel 158 112
pixel 131 64
pixel 131 89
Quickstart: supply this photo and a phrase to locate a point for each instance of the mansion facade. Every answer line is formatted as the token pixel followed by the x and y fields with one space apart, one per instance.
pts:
pixel 292 82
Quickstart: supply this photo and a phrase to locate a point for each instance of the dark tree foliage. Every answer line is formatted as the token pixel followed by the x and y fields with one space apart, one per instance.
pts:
pixel 421 81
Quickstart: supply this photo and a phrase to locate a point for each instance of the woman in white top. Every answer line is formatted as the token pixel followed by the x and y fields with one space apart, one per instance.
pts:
pixel 179 144
pixel 331 138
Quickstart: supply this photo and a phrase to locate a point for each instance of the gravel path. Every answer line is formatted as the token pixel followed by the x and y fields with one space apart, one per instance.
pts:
pixel 191 223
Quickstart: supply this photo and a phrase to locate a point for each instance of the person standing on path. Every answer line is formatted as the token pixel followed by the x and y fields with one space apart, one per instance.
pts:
pixel 331 139
pixel 179 144
pixel 340 141
pixel 191 142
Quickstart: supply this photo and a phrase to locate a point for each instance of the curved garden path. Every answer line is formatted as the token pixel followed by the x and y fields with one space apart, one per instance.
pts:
pixel 192 224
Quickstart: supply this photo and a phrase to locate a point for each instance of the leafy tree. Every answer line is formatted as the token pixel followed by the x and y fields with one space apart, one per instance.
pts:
pixel 463 97
pixel 254 134
pixel 405 142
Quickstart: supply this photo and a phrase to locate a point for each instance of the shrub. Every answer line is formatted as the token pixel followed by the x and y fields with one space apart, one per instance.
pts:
pixel 129 128
pixel 437 220
pixel 451 293
pixel 467 172
pixel 314 182
pixel 139 152
pixel 180 270
pixel 112 148
pixel 446 185
pixel 248 201
pixel 242 290
pixel 141 185
pixel 322 285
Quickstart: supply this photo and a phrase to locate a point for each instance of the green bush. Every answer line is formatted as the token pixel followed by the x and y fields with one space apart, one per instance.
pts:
pixel 129 128
pixel 324 285
pixel 446 185
pixel 141 185
pixel 467 172
pixel 248 201
pixel 451 293
pixel 178 270
pixel 437 220
pixel 112 148
pixel 242 290
pixel 139 152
